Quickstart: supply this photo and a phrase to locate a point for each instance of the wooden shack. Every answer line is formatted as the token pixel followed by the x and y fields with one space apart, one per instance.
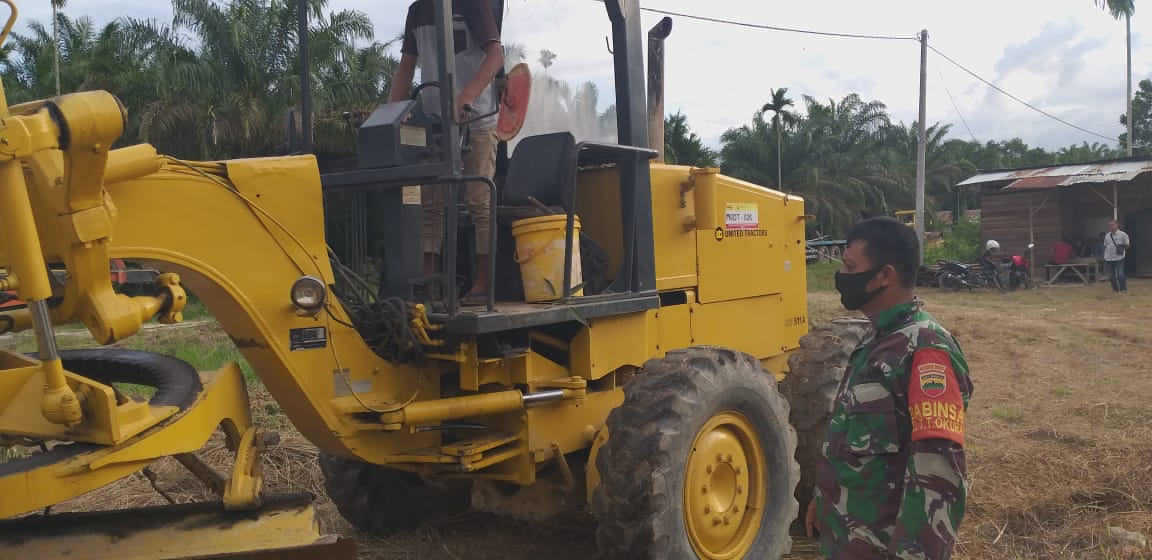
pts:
pixel 1043 204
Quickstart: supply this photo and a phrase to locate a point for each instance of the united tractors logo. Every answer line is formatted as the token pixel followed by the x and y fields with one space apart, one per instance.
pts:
pixel 933 380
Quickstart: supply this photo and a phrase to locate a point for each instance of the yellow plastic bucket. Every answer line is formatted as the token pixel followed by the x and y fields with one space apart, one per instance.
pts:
pixel 540 253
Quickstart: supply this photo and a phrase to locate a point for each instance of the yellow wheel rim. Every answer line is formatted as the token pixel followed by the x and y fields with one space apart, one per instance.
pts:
pixel 724 487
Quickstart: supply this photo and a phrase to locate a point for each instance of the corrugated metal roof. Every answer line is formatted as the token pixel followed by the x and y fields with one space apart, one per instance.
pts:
pixel 1063 175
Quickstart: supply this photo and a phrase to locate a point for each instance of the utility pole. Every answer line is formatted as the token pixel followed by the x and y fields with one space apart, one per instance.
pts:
pixel 1128 24
pixel 922 142
pixel 305 77
pixel 57 4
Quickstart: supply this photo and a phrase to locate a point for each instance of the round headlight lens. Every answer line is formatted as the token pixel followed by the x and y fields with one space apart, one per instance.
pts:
pixel 309 294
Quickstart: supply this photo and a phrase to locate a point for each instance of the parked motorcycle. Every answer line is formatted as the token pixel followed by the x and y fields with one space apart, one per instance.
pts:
pixel 955 275
pixel 1019 269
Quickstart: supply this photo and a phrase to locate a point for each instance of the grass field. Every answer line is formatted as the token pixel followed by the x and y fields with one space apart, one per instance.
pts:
pixel 1059 441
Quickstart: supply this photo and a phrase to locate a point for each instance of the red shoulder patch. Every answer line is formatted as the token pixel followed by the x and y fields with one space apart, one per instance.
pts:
pixel 934 400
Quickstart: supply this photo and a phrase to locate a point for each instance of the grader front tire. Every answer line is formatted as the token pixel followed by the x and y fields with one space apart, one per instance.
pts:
pixel 379 500
pixel 698 463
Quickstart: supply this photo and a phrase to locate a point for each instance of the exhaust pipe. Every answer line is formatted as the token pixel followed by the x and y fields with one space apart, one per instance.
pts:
pixel 656 37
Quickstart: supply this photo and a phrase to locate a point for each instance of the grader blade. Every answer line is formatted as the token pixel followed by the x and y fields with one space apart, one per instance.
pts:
pixel 284 528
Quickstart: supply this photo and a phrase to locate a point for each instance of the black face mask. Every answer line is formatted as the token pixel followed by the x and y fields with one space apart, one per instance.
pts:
pixel 853 288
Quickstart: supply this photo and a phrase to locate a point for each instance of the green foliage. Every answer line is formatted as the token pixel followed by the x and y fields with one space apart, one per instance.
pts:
pixel 684 147
pixel 961 243
pixel 1141 120
pixel 822 276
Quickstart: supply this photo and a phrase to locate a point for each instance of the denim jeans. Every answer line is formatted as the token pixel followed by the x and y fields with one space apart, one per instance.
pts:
pixel 1116 272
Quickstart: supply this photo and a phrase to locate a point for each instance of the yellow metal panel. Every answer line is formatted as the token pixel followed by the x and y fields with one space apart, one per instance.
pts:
pixel 762 326
pixel 674 327
pixel 570 423
pixel 673 220
pixel 611 342
pixel 598 205
pixel 750 240
pixel 673 227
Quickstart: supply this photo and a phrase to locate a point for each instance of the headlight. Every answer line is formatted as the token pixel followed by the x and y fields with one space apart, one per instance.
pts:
pixel 309 294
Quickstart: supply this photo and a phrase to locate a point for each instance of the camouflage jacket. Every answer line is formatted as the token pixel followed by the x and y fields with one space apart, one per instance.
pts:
pixel 893 483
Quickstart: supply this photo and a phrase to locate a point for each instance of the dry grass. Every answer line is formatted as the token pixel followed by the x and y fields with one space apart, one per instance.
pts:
pixel 1059 443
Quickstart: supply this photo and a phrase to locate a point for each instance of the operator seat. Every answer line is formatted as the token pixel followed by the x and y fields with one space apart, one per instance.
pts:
pixel 542 167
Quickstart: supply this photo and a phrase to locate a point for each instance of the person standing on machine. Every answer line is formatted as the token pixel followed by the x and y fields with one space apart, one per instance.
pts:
pixel 478 57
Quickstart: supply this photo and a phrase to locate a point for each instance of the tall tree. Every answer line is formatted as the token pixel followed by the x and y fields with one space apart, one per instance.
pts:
pixel 1124 9
pixel 779 104
pixel 684 147
pixel 1141 120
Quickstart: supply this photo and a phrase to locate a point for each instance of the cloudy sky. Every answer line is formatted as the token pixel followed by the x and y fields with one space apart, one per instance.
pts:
pixel 1064 56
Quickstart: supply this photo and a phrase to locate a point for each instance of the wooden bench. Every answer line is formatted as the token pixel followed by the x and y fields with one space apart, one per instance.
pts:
pixel 1087 272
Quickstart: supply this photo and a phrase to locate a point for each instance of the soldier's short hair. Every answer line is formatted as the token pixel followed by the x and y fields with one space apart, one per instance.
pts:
pixel 888 241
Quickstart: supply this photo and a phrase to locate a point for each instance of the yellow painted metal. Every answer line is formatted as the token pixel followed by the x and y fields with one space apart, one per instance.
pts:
pixel 286 529
pixel 763 326
pixel 611 342
pixel 105 420
pixel 224 401
pixel 566 422
pixel 433 411
pixel 591 471
pixel 674 327
pixel 275 206
pixel 673 220
pixel 758 230
pixel 724 487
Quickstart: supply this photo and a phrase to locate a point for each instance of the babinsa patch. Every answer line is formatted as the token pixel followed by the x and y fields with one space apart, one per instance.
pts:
pixel 933 380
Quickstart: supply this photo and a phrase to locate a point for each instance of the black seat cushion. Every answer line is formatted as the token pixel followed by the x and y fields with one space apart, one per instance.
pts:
pixel 543 167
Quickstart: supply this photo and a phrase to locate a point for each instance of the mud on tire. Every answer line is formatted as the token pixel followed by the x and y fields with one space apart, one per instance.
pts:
pixel 380 500
pixel 670 408
pixel 815 371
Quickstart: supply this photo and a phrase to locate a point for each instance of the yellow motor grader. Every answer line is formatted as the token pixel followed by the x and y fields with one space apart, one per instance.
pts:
pixel 646 388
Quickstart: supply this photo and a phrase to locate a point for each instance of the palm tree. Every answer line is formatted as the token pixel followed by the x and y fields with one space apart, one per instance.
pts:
pixel 57 5
pixel 1125 9
pixel 779 106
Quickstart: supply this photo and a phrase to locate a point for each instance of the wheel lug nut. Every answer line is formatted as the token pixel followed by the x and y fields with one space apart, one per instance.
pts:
pixel 716 521
pixel 728 459
pixel 739 489
pixel 719 457
pixel 735 509
pixel 727 520
pixel 737 469
pixel 707 509
pixel 708 469
pixel 704 489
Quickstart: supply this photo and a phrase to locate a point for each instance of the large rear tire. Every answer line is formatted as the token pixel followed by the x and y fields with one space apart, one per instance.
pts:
pixel 698 463
pixel 380 500
pixel 815 372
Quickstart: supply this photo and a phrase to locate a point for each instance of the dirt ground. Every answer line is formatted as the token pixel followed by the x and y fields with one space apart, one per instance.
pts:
pixel 1059 441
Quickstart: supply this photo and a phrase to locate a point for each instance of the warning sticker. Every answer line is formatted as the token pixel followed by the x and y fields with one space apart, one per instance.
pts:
pixel 741 215
pixel 307 338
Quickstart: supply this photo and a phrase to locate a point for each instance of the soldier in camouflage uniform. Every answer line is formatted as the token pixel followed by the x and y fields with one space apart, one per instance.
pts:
pixel 893 483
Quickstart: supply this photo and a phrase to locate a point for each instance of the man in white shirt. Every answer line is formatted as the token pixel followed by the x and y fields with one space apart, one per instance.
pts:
pixel 1115 249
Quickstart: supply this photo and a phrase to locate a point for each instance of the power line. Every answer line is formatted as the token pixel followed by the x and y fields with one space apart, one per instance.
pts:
pixel 956 107
pixel 1017 99
pixel 776 28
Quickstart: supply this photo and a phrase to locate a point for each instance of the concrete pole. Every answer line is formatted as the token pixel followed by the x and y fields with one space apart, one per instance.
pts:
pixel 922 143
pixel 305 77
pixel 1128 24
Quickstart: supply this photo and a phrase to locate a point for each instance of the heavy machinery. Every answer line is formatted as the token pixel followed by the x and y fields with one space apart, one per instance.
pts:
pixel 648 392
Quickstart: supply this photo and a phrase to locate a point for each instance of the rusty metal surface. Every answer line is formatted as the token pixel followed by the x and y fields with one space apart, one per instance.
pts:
pixel 1063 175
pixel 285 527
